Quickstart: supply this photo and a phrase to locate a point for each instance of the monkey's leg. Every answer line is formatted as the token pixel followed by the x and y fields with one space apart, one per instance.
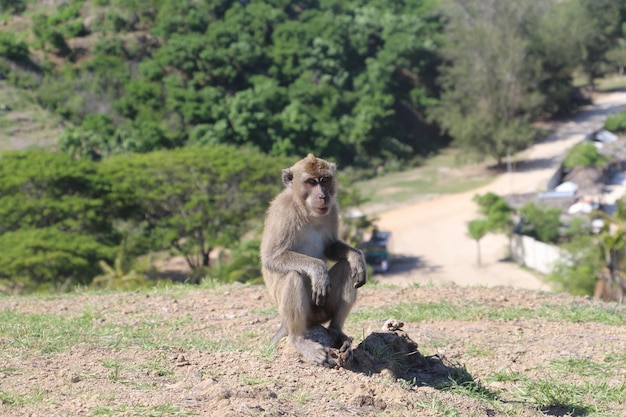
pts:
pixel 341 300
pixel 296 311
pixel 280 333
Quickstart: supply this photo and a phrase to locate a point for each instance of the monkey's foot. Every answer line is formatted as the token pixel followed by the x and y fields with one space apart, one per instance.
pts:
pixel 314 352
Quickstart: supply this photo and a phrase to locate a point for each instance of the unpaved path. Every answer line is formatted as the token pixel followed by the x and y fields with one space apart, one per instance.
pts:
pixel 431 236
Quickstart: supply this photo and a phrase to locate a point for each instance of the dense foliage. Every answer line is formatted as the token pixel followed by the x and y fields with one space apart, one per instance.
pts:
pixel 584 154
pixel 362 82
pixel 59 218
pixel 616 122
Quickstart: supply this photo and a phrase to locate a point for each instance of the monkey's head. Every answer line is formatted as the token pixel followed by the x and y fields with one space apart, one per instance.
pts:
pixel 313 183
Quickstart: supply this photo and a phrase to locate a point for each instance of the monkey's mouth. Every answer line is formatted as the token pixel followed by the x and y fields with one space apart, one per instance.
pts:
pixel 322 209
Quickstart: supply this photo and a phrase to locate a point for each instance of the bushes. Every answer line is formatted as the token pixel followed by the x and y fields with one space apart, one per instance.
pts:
pixel 13 49
pixel 616 122
pixel 584 154
pixel 542 224
pixel 61 218
pixel 13 6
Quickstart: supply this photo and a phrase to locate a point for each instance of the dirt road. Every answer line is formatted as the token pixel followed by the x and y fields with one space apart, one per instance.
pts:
pixel 431 236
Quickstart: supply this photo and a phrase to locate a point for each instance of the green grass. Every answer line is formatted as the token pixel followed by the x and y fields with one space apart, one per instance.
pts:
pixel 436 176
pixel 140 411
pixel 446 310
pixel 27 124
pixel 11 399
pixel 606 84
pixel 50 333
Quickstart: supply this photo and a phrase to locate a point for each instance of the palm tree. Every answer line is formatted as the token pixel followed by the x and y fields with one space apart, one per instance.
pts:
pixel 118 275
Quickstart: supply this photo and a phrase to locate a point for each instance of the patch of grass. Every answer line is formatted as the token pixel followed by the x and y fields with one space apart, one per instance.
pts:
pixel 560 396
pixel 580 366
pixel 11 399
pixel 478 350
pixel 30 334
pixel 27 124
pixel 550 395
pixel 438 175
pixel 504 375
pixel 141 411
pixel 611 83
pixel 9 371
pixel 45 333
pixel 617 359
pixel 611 314
pixel 447 310
pixel 115 367
pixel 250 380
pixel 438 406
pixel 301 397
pixel 204 345
pixel 268 352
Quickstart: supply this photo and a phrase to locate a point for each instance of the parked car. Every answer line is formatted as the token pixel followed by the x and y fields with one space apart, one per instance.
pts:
pixel 376 251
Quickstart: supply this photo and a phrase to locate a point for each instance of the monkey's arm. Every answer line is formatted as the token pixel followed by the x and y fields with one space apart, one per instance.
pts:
pixel 339 250
pixel 283 262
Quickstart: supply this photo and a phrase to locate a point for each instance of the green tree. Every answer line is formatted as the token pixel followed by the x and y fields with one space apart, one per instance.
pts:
pixel 540 223
pixel 193 199
pixel 13 49
pixel 44 189
pixel 477 229
pixel 119 275
pixel 490 81
pixel 13 6
pixel 50 258
pixel 597 26
pixel 497 212
pixel 54 223
pixel 496 218
pixel 578 272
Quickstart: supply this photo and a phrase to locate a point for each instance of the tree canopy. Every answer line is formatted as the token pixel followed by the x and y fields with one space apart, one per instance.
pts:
pixel 362 82
pixel 61 219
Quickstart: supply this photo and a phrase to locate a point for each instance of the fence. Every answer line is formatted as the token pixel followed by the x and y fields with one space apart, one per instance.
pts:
pixel 534 254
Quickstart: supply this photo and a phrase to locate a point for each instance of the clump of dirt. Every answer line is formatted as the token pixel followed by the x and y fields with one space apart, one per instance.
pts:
pixel 391 353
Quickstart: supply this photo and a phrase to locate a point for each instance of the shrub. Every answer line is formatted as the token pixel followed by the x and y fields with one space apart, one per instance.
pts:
pixel 616 122
pixel 13 49
pixel 577 273
pixel 13 6
pixel 584 154
pixel 542 224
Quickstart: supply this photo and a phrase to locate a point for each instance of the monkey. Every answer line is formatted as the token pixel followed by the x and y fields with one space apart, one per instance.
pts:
pixel 300 236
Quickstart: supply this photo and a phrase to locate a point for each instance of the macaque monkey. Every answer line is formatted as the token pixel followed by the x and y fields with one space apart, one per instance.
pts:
pixel 299 238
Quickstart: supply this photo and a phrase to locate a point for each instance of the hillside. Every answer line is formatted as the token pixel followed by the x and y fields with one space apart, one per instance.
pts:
pixel 189 351
pixel 26 124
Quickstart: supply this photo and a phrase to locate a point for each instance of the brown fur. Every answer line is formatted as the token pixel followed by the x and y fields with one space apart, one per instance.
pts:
pixel 299 237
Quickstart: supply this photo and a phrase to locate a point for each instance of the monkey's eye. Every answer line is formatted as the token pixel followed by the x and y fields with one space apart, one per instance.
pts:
pixel 325 180
pixel 311 181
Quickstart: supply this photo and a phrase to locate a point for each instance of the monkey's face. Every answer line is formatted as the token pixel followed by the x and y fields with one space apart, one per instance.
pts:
pixel 313 182
pixel 318 193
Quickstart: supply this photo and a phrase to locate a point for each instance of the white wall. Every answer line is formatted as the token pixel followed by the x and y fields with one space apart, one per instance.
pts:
pixel 533 254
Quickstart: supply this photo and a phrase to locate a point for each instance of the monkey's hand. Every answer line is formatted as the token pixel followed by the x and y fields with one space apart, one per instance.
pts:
pixel 358 268
pixel 320 285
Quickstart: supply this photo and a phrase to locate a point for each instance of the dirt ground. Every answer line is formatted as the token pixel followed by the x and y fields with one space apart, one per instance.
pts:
pixel 204 351
pixel 207 355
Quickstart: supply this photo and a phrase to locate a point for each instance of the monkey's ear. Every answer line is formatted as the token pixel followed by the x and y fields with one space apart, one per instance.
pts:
pixel 287 177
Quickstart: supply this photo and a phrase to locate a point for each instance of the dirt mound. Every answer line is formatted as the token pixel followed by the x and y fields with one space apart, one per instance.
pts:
pixel 393 354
